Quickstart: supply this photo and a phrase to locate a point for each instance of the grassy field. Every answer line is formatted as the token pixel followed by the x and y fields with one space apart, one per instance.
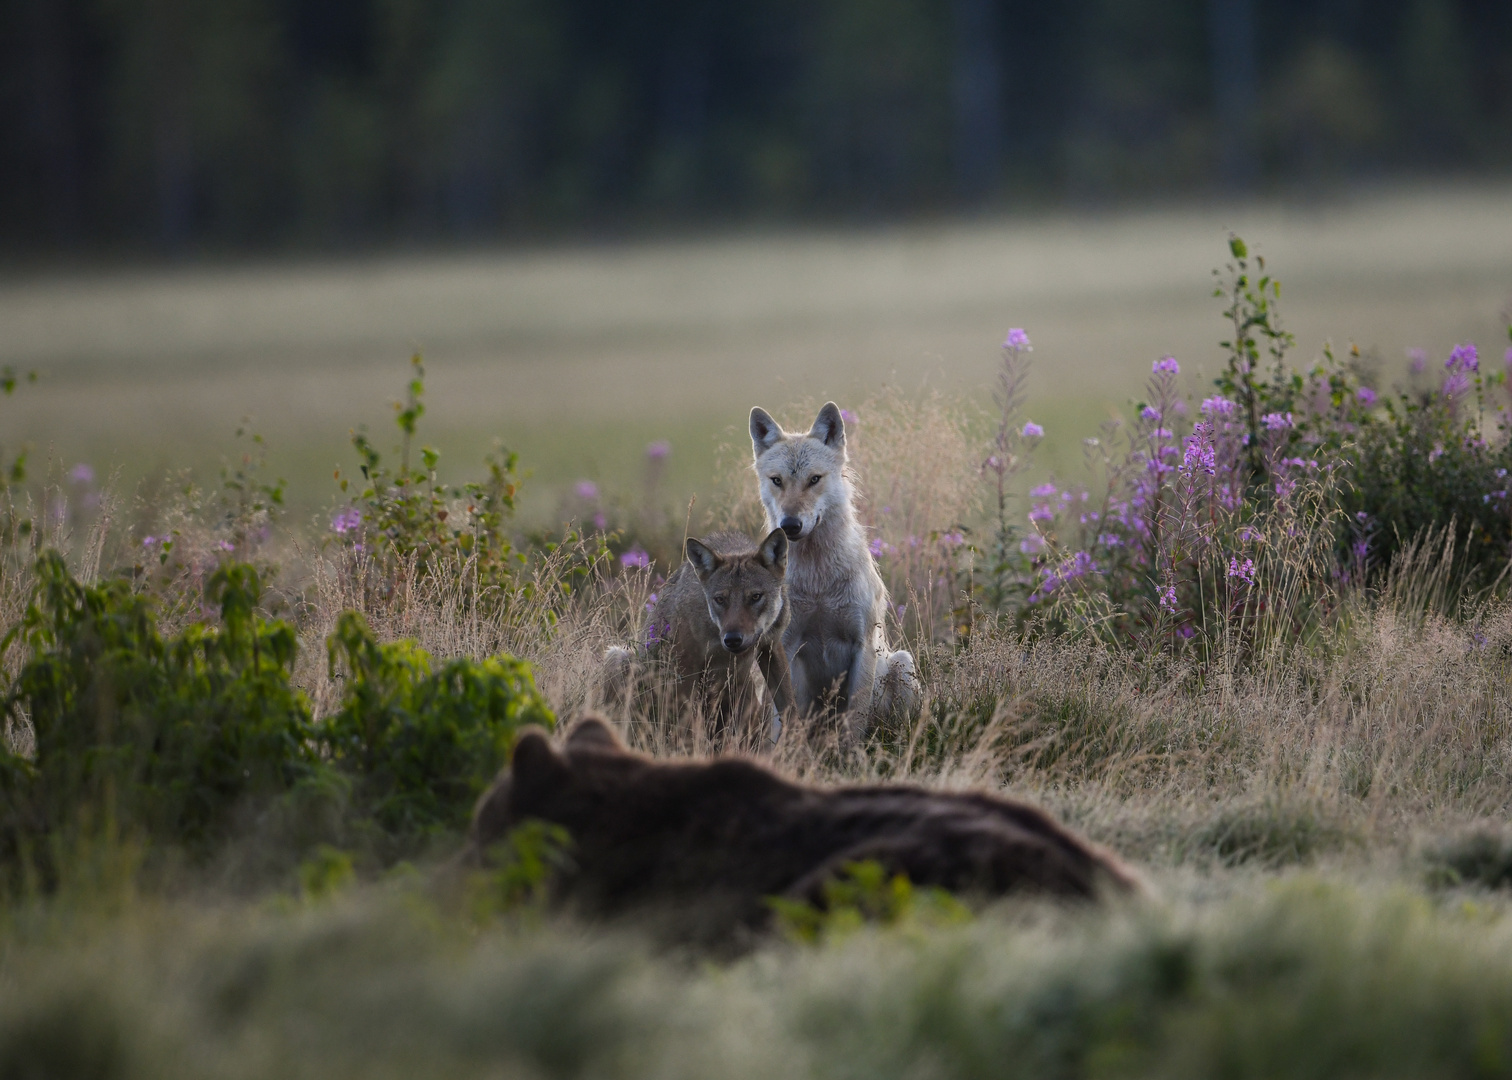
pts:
pixel 578 356
pixel 1315 784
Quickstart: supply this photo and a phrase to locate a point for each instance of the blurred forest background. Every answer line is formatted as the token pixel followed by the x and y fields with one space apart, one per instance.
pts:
pixel 275 124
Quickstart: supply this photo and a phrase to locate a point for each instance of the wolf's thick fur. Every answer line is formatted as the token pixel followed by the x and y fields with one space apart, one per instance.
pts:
pixel 718 620
pixel 705 843
pixel 835 642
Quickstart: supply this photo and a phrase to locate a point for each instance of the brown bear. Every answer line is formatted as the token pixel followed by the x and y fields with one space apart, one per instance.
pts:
pixel 703 844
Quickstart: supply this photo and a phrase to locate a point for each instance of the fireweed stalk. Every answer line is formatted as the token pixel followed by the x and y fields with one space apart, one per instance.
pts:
pixel 1011 447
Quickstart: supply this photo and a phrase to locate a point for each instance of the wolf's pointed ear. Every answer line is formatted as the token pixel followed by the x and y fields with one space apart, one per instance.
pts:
pixel 704 561
pixel 773 551
pixel 829 427
pixel 535 772
pixel 764 431
pixel 593 733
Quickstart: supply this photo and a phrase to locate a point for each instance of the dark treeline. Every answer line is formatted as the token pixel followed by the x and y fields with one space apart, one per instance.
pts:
pixel 179 123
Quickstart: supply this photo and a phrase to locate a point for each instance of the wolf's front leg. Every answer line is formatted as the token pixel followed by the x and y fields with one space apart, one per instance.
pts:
pixel 777 674
pixel 862 686
pixel 804 685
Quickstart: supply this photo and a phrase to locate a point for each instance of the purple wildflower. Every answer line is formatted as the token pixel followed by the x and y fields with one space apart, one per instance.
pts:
pixel 1081 563
pixel 1455 384
pixel 1018 341
pixel 655 634
pixel 1150 414
pixel 600 522
pixel 1166 365
pixel 1033 430
pixel 635 558
pixel 587 489
pixel 1168 598
pixel 1032 544
pixel 847 417
pixel 1463 358
pixel 877 547
pixel 1244 571
pixel 346 520
pixel 659 449
pixel 1360 548
pixel 1418 360
pixel 1200 455
pixel 1365 396
pixel 1186 633
pixel 81 474
pixel 1219 406
pixel 1045 491
pixel 952 539
pixel 651 603
pixel 226 545
pixel 148 541
pixel 1042 512
pixel 1276 421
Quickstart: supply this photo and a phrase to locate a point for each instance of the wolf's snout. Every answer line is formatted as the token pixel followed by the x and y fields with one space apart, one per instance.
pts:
pixel 734 642
pixel 792 526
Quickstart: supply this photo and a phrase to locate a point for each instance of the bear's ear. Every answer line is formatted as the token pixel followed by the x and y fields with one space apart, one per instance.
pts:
pixel 594 733
pixel 764 431
pixel 829 427
pixel 773 552
pixel 704 561
pixel 535 772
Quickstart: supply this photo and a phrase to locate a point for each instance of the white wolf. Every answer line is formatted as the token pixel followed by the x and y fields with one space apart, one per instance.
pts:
pixel 837 651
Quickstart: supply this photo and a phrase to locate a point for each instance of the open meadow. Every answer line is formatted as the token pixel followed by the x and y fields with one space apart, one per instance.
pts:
pixel 577 357
pixel 1256 642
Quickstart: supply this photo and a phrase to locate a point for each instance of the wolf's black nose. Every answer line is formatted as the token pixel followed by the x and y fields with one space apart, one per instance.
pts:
pixel 792 526
pixel 733 642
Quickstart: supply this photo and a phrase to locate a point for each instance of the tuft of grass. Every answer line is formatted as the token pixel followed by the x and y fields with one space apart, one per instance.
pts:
pixel 1271 833
pixel 1481 856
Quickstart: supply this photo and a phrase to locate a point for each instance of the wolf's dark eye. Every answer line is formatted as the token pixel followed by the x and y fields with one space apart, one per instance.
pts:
pixel 721 599
pixel 754 598
pixel 814 480
pixel 777 480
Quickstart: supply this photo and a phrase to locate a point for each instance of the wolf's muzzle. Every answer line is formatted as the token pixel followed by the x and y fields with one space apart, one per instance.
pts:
pixel 792 526
pixel 734 642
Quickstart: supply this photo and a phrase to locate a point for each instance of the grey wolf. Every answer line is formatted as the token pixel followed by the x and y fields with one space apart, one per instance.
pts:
pixel 718 621
pixel 710 841
pixel 836 647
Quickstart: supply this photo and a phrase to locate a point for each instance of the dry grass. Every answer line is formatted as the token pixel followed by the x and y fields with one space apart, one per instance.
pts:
pixel 1390 717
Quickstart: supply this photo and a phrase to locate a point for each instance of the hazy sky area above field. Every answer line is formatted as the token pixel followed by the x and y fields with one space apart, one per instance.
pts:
pixel 579 355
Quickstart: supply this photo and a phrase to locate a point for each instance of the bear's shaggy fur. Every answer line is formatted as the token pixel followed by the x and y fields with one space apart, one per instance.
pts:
pixel 704 843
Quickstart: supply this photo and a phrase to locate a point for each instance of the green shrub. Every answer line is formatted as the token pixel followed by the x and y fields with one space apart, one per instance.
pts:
pixel 405 514
pixel 423 744
pixel 864 893
pixel 1427 461
pixel 166 736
